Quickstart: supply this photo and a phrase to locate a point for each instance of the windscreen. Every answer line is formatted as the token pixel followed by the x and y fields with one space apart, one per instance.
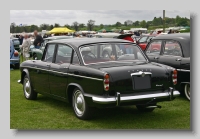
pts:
pixel 111 52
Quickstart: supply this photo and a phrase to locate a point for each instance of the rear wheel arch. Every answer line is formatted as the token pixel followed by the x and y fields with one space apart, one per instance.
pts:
pixel 70 90
pixel 24 72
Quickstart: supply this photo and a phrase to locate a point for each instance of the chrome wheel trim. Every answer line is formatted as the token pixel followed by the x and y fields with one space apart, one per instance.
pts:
pixel 187 91
pixel 79 103
pixel 35 58
pixel 27 87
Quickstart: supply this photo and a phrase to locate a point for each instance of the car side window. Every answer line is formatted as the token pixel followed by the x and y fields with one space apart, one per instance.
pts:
pixel 75 59
pixel 49 53
pixel 154 47
pixel 63 55
pixel 172 48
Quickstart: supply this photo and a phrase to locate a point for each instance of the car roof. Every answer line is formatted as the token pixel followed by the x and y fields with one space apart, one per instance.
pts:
pixel 57 37
pixel 83 41
pixel 175 36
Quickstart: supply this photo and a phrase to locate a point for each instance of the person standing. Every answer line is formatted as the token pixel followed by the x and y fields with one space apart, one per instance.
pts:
pixel 38 40
pixel 170 31
pixel 26 46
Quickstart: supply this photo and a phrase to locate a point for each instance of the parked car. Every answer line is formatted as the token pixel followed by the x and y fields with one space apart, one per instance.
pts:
pixel 173 50
pixel 107 35
pixel 16 43
pixel 14 56
pixel 74 71
pixel 37 53
pixel 144 39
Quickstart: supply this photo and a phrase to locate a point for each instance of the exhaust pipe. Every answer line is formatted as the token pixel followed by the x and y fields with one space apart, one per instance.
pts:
pixel 156 106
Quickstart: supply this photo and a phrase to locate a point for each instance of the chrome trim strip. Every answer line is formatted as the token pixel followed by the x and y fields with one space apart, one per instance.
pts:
pixel 85 77
pixel 132 98
pixel 140 73
pixel 183 70
pixel 64 73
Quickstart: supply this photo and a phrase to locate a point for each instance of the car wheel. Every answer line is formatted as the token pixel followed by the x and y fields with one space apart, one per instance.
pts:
pixel 81 110
pixel 187 91
pixel 28 91
pixel 143 108
pixel 35 57
pixel 106 54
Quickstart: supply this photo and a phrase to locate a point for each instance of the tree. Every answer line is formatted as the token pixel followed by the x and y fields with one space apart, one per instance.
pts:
pixel 90 24
pixel 143 24
pixel 56 25
pixel 128 22
pixel 125 24
pixel 81 25
pixel 12 27
pixel 101 26
pixel 136 23
pixel 75 25
pixel 44 26
pixel 118 24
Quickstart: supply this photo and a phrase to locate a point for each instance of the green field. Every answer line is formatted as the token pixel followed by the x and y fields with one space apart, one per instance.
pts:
pixel 47 113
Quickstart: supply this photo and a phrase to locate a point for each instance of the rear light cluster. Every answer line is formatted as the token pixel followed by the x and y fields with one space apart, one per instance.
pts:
pixel 106 82
pixel 16 53
pixel 174 77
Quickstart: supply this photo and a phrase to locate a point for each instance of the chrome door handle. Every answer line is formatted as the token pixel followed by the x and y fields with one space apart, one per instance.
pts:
pixel 155 57
pixel 48 65
pixel 178 59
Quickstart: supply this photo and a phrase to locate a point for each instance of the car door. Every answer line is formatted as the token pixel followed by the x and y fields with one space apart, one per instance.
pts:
pixel 41 70
pixel 153 50
pixel 171 54
pixel 59 69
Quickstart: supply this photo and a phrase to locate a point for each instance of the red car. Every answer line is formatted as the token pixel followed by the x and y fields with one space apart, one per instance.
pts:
pixel 142 42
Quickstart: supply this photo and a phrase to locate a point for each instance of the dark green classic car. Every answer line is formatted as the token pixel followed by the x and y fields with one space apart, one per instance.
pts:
pixel 37 53
pixel 76 71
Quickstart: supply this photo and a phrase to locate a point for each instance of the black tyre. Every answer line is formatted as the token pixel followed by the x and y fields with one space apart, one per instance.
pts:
pixel 80 107
pixel 187 91
pixel 28 90
pixel 143 108
pixel 35 57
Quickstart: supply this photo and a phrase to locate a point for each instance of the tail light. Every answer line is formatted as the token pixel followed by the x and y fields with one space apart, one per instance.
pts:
pixel 16 53
pixel 106 82
pixel 174 77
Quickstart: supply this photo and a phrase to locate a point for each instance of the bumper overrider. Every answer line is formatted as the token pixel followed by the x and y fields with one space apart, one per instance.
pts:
pixel 169 95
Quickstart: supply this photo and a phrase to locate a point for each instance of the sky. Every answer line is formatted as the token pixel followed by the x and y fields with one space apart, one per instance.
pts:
pixel 62 17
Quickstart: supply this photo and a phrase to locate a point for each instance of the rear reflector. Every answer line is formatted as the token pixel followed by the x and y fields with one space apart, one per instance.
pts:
pixel 106 82
pixel 174 77
pixel 16 53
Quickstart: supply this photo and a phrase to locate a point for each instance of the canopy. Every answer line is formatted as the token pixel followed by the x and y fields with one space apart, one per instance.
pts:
pixel 61 30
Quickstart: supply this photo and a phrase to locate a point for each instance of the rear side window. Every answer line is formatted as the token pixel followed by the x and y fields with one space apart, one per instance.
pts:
pixel 154 47
pixel 172 48
pixel 64 53
pixel 49 53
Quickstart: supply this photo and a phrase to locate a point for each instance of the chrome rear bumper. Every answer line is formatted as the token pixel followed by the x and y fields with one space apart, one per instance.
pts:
pixel 117 99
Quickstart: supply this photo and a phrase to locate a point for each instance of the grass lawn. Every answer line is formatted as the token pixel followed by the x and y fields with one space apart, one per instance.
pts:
pixel 47 113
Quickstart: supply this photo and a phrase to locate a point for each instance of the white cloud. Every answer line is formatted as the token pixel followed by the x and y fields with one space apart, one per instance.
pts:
pixel 82 16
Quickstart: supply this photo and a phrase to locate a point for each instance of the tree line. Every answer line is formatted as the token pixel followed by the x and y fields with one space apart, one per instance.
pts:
pixel 155 23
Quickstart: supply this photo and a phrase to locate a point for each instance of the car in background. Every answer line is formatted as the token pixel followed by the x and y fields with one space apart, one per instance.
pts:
pixel 37 53
pixel 144 39
pixel 16 43
pixel 14 56
pixel 173 50
pixel 74 71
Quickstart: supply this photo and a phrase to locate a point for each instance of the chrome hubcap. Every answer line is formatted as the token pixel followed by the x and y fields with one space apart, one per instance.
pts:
pixel 27 87
pixel 79 103
pixel 106 55
pixel 35 58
